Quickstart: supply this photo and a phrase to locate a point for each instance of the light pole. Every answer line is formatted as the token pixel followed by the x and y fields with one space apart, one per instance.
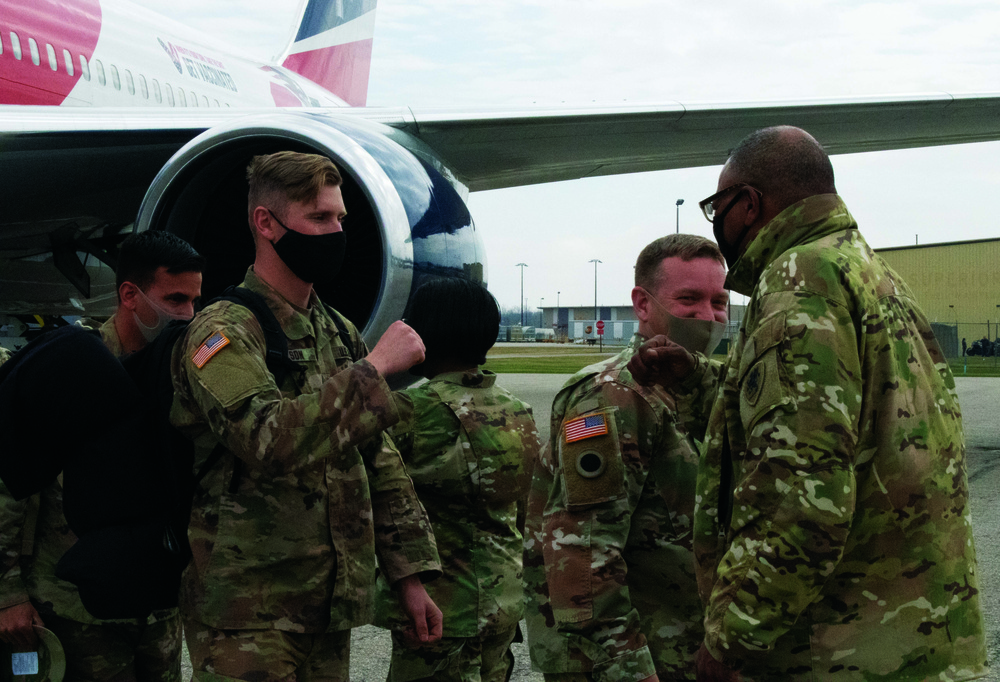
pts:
pixel 541 312
pixel 596 315
pixel 522 266
pixel 679 202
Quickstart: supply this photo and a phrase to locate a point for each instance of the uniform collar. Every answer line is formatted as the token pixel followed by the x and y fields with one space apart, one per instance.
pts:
pixel 109 335
pixel 296 322
pixel 802 222
pixel 470 378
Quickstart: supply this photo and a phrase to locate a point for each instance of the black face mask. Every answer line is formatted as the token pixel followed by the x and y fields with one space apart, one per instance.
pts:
pixel 731 252
pixel 312 258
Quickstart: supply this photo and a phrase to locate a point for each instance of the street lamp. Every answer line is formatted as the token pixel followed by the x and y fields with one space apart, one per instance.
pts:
pixel 595 262
pixel 541 312
pixel 522 266
pixel 679 202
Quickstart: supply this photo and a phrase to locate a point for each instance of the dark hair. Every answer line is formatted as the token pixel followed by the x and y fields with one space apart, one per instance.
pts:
pixel 684 246
pixel 783 162
pixel 142 254
pixel 283 177
pixel 457 319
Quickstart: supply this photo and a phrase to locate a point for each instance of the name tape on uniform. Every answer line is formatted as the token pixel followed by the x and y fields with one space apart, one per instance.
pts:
pixel 587 426
pixel 213 344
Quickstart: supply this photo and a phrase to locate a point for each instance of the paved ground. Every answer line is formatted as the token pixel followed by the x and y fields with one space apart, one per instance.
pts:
pixel 980 399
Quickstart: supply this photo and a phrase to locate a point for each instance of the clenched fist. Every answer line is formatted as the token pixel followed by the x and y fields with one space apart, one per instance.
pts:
pixel 399 349
pixel 661 361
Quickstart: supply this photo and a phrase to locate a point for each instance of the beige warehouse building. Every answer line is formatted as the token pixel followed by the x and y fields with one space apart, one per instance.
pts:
pixel 956 284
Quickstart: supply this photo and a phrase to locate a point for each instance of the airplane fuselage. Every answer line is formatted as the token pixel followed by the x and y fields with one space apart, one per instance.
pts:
pixel 107 54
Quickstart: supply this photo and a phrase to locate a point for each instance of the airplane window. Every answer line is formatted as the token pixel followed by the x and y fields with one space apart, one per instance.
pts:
pixel 194 100
pixel 216 103
pixel 227 105
pixel 170 93
pixel 142 87
pixel 156 91
pixel 115 79
pixel 129 83
pixel 84 68
pixel 51 52
pixel 33 47
pixel 100 71
pixel 204 100
pixel 15 44
pixel 181 99
pixel 68 60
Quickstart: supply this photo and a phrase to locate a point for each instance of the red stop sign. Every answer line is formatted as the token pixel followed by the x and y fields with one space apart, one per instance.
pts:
pixel 600 324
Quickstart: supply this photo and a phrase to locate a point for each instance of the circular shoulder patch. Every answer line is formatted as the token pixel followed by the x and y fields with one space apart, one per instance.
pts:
pixel 590 464
pixel 754 383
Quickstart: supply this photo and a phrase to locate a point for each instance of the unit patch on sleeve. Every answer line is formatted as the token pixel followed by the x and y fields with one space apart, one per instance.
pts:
pixel 587 426
pixel 212 345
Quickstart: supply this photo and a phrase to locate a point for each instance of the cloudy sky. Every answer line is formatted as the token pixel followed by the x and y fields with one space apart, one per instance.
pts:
pixel 542 52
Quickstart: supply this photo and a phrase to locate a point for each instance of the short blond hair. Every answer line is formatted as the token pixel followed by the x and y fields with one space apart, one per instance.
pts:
pixel 277 180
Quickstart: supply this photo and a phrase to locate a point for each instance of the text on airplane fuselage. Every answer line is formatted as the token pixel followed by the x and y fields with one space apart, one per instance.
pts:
pixel 199 66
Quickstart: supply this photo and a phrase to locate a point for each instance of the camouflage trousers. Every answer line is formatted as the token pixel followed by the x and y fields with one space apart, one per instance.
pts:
pixel 120 651
pixel 267 655
pixel 454 659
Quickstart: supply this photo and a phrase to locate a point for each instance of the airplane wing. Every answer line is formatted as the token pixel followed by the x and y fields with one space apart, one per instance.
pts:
pixel 507 149
pixel 75 178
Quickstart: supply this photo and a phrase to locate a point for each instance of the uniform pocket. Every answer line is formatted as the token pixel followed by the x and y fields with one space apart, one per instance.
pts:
pixel 762 385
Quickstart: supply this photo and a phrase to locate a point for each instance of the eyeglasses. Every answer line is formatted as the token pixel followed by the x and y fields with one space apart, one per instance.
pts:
pixel 708 206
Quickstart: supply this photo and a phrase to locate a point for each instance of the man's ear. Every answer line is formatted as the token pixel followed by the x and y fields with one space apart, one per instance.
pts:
pixel 128 294
pixel 754 208
pixel 264 223
pixel 640 303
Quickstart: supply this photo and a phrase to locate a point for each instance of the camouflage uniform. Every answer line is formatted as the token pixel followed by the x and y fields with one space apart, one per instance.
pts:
pixel 609 572
pixel 469 447
pixel 284 528
pixel 833 533
pixel 95 649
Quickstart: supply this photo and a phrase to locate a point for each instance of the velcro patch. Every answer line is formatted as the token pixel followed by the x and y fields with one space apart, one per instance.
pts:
pixel 212 345
pixel 592 466
pixel 587 426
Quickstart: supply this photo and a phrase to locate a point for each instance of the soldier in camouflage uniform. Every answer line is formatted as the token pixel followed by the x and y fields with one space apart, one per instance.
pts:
pixel 158 278
pixel 609 569
pixel 285 527
pixel 469 447
pixel 833 533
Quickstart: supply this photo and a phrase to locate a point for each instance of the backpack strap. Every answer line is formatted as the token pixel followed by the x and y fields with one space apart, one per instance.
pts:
pixel 345 336
pixel 277 360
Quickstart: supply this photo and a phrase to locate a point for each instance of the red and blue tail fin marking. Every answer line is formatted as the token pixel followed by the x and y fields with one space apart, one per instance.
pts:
pixel 333 47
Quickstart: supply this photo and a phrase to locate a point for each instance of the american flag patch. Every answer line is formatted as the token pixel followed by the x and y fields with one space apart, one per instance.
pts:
pixel 213 344
pixel 586 427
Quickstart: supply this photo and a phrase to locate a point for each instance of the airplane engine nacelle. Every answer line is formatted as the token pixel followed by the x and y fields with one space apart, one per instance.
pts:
pixel 405 220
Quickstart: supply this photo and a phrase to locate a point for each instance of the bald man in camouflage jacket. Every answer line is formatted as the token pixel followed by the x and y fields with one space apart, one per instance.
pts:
pixel 833 533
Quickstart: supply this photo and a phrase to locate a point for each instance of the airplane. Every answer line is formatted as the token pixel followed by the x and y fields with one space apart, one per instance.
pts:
pixel 113 118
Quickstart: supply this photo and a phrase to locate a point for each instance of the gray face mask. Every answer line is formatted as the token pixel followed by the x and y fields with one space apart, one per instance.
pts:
pixel 694 336
pixel 163 318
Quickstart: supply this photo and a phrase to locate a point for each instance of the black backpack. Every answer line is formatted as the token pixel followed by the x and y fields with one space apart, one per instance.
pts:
pixel 128 481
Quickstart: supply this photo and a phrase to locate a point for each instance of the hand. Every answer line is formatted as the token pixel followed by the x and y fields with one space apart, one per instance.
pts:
pixel 661 361
pixel 652 678
pixel 16 626
pixel 425 617
pixel 708 669
pixel 399 349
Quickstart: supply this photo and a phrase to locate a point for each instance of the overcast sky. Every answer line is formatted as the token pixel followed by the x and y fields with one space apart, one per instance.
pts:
pixel 542 52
